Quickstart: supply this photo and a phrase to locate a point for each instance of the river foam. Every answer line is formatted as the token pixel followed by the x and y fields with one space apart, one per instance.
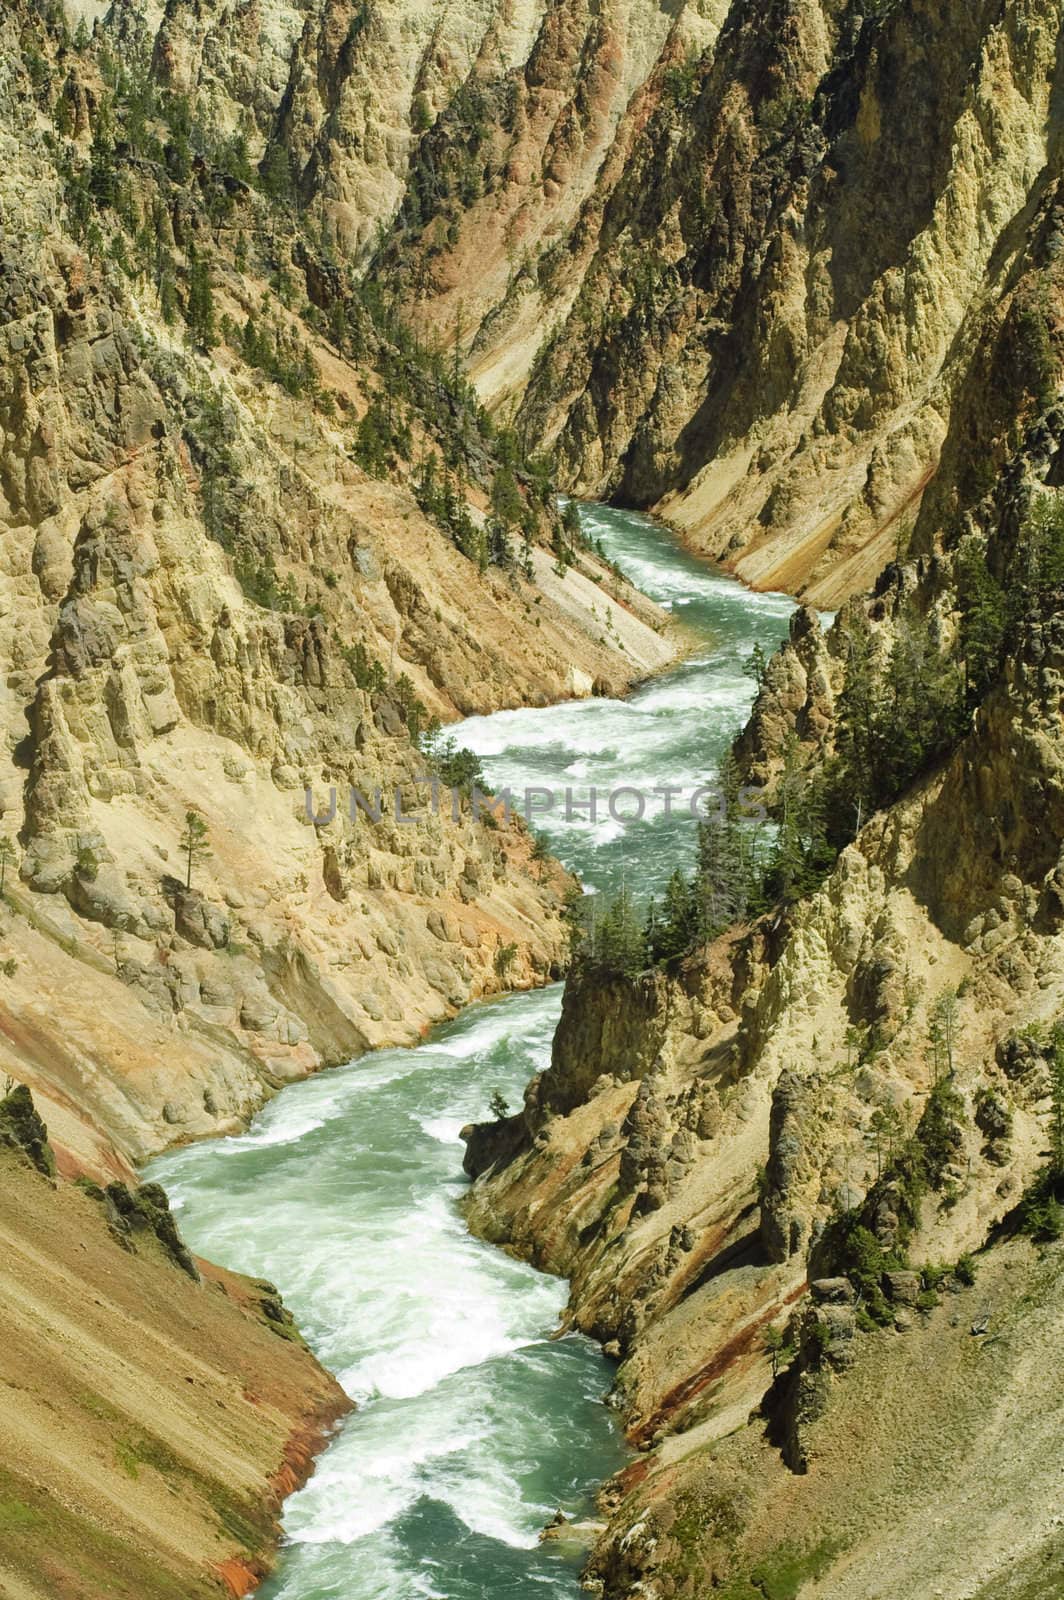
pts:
pixel 474 1423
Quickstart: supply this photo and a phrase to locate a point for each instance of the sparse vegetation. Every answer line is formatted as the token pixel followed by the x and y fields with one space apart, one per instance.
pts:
pixel 780 1351
pixel 455 766
pixel 195 843
pixel 909 1168
pixel 498 1105
pixel 87 865
pixel 504 959
pixel 1041 1212
pixel 21 1128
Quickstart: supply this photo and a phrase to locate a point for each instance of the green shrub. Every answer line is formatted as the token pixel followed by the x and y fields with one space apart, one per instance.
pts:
pixel 965 1270
pixel 1041 1213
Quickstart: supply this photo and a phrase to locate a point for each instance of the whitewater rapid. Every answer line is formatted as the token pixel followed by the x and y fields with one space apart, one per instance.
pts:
pixel 473 1425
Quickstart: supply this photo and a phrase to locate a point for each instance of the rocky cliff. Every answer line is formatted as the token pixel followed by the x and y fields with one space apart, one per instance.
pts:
pixel 754 270
pixel 255 539
pixel 799 1178
pixel 791 275
pixel 855 1089
pixel 767 270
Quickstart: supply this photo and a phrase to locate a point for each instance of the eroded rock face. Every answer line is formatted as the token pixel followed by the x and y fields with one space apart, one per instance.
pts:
pixel 206 603
pixel 796 698
pixel 780 305
pixel 766 279
pixel 135 1350
pixel 807 1047
pixel 782 1225
pixel 590 1035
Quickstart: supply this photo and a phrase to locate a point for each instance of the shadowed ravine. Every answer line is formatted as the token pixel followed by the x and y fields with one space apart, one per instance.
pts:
pixel 473 1426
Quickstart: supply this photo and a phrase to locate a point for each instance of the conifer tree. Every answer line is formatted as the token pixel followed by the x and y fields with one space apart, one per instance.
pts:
pixel 103 172
pixel 673 930
pixel 856 719
pixel 194 843
pixel 276 173
pixel 756 665
pixel 618 943
pixel 984 615
pixel 506 501
pixel 199 312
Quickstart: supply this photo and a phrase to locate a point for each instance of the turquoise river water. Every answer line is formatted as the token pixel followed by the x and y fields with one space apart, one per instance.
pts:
pixel 473 1425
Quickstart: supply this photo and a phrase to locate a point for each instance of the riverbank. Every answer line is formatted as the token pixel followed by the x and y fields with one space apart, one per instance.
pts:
pixel 154 1382
pixel 345 1190
pixel 154 1412
pixel 778 1106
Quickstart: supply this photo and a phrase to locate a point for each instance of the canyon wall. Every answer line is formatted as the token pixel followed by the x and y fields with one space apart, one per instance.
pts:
pixel 779 289
pixel 154 1411
pixel 754 268
pixel 209 603
pixel 788 275
pixel 706 1135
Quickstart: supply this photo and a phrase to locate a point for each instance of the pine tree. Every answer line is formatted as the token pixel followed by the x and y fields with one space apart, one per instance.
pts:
pixel 103 171
pixel 942 1031
pixel 984 614
pixel 1042 545
pixel 919 715
pixel 194 843
pixel 618 939
pixel 179 145
pixel 373 441
pixel 572 525
pixel 672 931
pixel 199 312
pixel 788 855
pixel 169 305
pixel 885 1129
pixel 276 173
pixel 855 737
pixel 500 549
pixel 801 854
pixel 236 160
pixel 726 869
pixel 506 501
pixel 63 115
pixel 756 665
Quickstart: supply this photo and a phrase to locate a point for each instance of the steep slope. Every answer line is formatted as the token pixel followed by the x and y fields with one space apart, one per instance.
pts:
pixel 792 276
pixel 153 1412
pixel 255 539
pixel 778 292
pixel 858 1088
pixel 742 265
pixel 704 1129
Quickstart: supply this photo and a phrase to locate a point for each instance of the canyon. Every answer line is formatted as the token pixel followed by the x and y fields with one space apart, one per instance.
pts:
pixel 309 310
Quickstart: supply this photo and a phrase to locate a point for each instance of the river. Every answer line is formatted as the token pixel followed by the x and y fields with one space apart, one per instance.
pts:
pixel 473 1425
